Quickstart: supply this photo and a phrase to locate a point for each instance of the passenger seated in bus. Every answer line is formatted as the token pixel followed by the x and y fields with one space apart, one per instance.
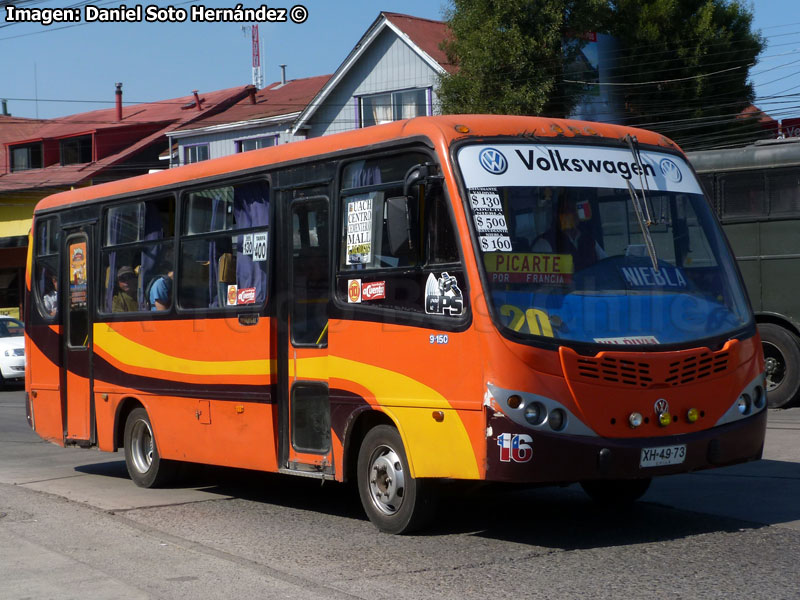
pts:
pixel 124 300
pixel 159 291
pixel 50 299
pixel 571 234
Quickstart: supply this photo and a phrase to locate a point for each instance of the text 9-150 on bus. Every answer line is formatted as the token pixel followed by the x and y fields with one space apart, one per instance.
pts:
pixel 476 298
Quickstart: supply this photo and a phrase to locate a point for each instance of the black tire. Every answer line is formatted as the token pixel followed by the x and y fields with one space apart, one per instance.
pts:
pixel 145 466
pixel 394 501
pixel 782 355
pixel 616 492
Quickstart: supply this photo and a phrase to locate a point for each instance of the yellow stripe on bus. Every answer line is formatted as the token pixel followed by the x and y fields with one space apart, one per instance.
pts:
pixel 434 449
pixel 134 354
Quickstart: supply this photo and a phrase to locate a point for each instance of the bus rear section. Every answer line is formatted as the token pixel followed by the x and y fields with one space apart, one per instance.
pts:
pixel 443 298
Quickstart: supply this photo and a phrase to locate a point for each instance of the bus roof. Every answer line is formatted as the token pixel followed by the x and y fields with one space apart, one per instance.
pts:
pixel 440 129
pixel 762 154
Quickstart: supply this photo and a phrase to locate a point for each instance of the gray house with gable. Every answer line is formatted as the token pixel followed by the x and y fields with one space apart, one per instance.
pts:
pixel 391 73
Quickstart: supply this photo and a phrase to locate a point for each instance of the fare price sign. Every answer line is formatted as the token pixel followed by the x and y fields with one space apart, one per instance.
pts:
pixel 490 222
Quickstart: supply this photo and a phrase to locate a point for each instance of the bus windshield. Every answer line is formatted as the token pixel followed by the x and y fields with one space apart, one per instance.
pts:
pixel 599 245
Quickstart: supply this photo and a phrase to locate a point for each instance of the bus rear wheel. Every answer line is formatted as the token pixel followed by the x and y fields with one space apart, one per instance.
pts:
pixel 145 466
pixel 394 501
pixel 782 358
pixel 616 492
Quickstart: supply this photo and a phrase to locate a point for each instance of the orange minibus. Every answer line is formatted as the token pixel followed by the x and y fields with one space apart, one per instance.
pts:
pixel 479 298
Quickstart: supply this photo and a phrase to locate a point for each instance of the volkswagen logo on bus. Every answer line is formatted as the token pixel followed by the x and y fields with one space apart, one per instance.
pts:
pixel 493 161
pixel 670 170
pixel 661 406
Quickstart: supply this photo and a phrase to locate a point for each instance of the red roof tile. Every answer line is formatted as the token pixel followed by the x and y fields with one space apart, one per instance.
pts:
pixel 274 100
pixel 164 115
pixel 425 33
pixel 182 110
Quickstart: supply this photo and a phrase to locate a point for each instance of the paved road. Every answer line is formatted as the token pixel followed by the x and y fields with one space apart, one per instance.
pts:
pixel 73 526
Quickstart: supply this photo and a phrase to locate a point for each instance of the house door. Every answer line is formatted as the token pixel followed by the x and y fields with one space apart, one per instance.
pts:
pixel 77 339
pixel 306 404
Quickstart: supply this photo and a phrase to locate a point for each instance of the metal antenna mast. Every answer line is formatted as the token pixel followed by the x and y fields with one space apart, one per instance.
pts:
pixel 258 72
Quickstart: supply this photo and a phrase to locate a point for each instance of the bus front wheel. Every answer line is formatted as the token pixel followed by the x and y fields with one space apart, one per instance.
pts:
pixel 615 492
pixel 145 466
pixel 782 364
pixel 394 501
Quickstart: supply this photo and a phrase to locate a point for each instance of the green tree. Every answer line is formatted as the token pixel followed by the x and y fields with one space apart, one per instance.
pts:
pixel 511 55
pixel 684 65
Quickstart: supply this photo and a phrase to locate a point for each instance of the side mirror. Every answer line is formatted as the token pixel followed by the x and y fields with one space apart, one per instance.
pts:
pixel 398 225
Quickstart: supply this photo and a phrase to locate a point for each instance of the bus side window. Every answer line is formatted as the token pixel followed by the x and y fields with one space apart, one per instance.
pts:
pixel 223 247
pixel 46 272
pixel 743 195
pixel 137 247
pixel 442 246
pixel 784 192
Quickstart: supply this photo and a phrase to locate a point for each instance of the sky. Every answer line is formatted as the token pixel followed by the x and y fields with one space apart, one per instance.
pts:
pixel 68 68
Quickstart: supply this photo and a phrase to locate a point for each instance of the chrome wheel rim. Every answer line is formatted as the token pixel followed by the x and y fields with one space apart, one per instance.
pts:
pixel 386 480
pixel 142 446
pixel 775 365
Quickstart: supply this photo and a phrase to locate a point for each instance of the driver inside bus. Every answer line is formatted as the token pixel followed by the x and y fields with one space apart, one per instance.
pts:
pixel 570 233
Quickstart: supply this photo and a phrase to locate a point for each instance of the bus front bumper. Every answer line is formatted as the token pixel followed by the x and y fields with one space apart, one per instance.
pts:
pixel 518 455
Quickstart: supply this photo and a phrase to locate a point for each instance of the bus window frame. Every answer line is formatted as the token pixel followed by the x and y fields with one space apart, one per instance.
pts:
pixel 38 299
pixel 718 195
pixel 182 194
pixel 341 308
pixel 103 248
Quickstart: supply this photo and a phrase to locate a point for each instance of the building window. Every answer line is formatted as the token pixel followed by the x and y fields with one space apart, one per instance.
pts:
pixel 193 154
pixel 393 106
pixel 76 150
pixel 256 143
pixel 26 157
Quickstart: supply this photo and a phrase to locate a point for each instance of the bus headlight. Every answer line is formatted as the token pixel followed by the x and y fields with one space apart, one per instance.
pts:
pixel 743 404
pixel 635 420
pixel 758 397
pixel 692 415
pixel 557 420
pixel 535 413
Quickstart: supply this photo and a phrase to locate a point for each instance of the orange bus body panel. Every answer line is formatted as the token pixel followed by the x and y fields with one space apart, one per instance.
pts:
pixel 210 385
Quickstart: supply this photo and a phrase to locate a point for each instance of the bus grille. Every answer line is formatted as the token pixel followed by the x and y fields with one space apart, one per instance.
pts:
pixel 650 372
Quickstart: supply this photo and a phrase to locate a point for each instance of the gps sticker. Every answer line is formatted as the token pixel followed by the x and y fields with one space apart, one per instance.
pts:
pixel 442 296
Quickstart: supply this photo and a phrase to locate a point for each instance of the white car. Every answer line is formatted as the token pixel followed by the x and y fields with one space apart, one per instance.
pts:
pixel 12 350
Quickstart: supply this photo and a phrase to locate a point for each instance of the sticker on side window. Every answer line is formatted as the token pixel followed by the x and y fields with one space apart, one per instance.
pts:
pixel 443 296
pixel 359 230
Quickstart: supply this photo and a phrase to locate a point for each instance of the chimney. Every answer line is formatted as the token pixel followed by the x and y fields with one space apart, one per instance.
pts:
pixel 283 74
pixel 197 100
pixel 119 101
pixel 252 90
pixel 5 108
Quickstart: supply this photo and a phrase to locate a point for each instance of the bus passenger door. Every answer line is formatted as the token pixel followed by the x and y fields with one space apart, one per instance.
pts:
pixel 76 375
pixel 306 421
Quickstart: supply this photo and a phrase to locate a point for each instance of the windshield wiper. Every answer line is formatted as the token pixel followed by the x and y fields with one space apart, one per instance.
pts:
pixel 642 207
pixel 633 144
pixel 648 239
